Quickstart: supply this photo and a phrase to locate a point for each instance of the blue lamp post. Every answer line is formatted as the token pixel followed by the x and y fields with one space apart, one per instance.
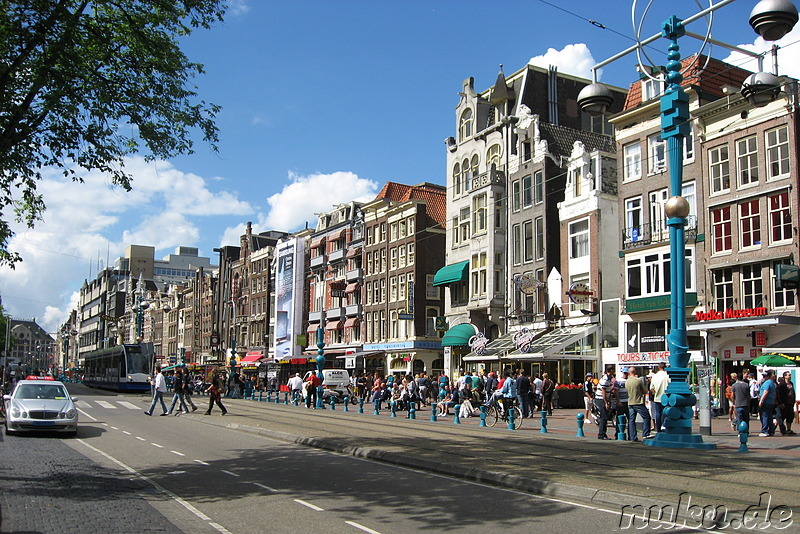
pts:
pixel 772 19
pixel 320 364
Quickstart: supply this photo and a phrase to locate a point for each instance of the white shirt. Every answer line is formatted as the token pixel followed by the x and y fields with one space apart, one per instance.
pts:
pixel 295 383
pixel 659 385
pixel 160 384
pixel 537 382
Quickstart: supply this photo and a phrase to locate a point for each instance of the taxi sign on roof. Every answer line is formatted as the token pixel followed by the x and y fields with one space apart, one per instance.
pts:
pixel 34 377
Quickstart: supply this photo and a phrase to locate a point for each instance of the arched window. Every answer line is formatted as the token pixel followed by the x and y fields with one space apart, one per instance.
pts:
pixel 474 165
pixel 457 179
pixel 465 125
pixel 465 175
pixel 493 156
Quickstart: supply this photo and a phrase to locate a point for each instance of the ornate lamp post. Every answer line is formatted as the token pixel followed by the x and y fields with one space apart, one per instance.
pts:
pixel 772 19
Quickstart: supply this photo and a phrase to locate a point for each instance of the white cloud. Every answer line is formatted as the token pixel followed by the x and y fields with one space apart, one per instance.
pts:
pixel 297 203
pixel 575 59
pixel 788 54
pixel 85 224
pixel 238 7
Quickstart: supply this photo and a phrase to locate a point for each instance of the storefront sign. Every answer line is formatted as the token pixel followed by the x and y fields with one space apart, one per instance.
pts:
pixel 643 357
pixel 527 284
pixel 523 339
pixel 714 315
pixel 579 293
pixel 337 289
pixel 478 343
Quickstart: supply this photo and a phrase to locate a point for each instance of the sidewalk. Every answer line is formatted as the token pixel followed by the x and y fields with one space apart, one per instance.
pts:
pixel 556 463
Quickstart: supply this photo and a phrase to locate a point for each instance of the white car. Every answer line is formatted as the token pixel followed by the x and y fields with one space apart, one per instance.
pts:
pixel 40 404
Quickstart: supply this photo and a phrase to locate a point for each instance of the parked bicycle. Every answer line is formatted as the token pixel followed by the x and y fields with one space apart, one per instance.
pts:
pixel 495 412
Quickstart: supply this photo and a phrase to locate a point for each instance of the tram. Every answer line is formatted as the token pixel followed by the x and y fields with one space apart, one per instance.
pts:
pixel 121 368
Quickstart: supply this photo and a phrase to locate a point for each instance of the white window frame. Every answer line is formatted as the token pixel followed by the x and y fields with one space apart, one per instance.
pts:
pixel 656 154
pixel 750 224
pixel 632 169
pixel 747 161
pixel 579 239
pixel 719 169
pixel 780 215
pixel 777 145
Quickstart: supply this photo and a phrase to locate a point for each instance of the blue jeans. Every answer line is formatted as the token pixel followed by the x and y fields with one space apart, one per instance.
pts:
pixel 743 414
pixel 524 405
pixel 157 396
pixel 658 415
pixel 602 424
pixel 633 410
pixel 175 399
pixel 765 414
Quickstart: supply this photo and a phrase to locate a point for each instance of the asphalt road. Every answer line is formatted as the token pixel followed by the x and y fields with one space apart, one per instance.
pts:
pixel 171 473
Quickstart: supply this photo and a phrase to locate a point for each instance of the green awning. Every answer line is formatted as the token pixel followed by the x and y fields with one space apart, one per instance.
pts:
pixel 455 272
pixel 459 335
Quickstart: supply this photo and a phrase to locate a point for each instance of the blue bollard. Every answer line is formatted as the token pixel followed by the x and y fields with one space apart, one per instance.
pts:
pixel 269 396
pixel 511 415
pixel 333 403
pixel 544 422
pixel 377 410
pixel 483 415
pixel 580 417
pixel 621 428
pixel 412 410
pixel 744 431
pixel 393 405
pixel 433 413
pixel 260 396
pixel 456 409
pixel 346 402
pixel 360 405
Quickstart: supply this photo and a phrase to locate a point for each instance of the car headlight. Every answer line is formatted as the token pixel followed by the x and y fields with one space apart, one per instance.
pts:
pixel 72 413
pixel 15 412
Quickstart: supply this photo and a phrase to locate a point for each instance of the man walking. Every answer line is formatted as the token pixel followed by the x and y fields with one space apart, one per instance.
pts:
pixel 295 385
pixel 786 398
pixel 602 401
pixel 741 401
pixel 637 393
pixel 178 397
pixel 658 386
pixel 159 388
pixel 548 387
pixel 766 404
pixel 523 393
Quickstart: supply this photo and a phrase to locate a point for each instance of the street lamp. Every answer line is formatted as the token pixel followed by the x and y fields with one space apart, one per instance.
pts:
pixel 772 19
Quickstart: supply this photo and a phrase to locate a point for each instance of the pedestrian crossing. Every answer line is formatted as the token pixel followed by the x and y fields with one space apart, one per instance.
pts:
pixel 108 405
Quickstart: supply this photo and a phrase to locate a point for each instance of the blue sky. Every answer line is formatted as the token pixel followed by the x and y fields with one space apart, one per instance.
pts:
pixel 322 102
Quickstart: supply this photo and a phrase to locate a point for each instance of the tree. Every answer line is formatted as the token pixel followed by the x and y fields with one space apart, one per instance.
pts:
pixel 84 84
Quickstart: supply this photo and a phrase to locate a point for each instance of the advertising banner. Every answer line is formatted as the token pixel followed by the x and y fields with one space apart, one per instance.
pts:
pixel 288 309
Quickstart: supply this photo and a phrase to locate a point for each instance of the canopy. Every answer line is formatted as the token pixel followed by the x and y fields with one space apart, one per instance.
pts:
pixel 251 358
pixel 458 335
pixel 773 360
pixel 455 272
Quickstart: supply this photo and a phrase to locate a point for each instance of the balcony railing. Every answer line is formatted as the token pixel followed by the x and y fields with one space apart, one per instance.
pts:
pixel 353 309
pixel 318 261
pixel 645 235
pixel 486 178
pixel 337 255
pixel 334 313
pixel 354 274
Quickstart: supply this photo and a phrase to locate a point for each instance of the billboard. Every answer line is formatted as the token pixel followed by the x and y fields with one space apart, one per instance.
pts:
pixel 289 271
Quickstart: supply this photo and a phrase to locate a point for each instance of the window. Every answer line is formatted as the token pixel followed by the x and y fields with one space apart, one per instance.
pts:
pixel 479 274
pixel 393 232
pixel 393 289
pixel 721 229
pixel 633 219
pixel 780 218
pixel 456 233
pixel 719 169
pixel 778 153
pixel 747 161
pixel 657 150
pixel 464 225
pixel 383 233
pixel 479 214
pixel 383 290
pixel 465 125
pixel 474 166
pixel 579 239
pixel 516 195
pixel 723 289
pixel 403 229
pixel 649 275
pixel 493 156
pixel 411 226
pixel 688 192
pixel 781 298
pixel 633 270
pixel 538 187
pixel 401 288
pixel 465 181
pixel 516 245
pixel 411 249
pixel 633 162
pixel 577 182
pixel 749 224
pixel 652 88
pixel 752 286
pixel 383 260
pixel 538 230
pixel 527 241
pixel 401 253
pixel 658 221
pixel 527 192
pixel 456 179
pixel 688 148
pixel 393 259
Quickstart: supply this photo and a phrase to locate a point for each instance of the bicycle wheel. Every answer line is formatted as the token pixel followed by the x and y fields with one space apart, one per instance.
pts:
pixel 492 415
pixel 517 418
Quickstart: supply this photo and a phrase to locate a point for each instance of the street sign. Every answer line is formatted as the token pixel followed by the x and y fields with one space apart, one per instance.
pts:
pixel 173 359
pixel 405 316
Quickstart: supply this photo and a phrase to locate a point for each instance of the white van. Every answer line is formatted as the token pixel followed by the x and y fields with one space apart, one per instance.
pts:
pixel 338 379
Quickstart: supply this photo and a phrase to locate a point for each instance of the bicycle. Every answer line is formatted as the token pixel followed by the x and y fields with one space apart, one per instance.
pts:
pixel 495 412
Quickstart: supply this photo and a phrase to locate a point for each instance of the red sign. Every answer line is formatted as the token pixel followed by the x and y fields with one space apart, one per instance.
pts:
pixel 714 315
pixel 760 339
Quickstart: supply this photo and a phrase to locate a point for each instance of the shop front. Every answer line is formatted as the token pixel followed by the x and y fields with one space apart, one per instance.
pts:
pixel 407 357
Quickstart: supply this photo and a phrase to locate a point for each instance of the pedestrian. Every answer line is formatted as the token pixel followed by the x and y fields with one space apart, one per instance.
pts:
pixel 637 393
pixel 548 387
pixel 740 392
pixel 188 390
pixel 378 394
pixel 523 394
pixel 214 391
pixel 508 392
pixel 766 403
pixel 658 386
pixel 602 400
pixel 621 390
pixel 537 393
pixel 786 398
pixel 754 387
pixel 588 395
pixel 311 385
pixel 295 385
pixel 178 396
pixel 159 388
pixel 729 400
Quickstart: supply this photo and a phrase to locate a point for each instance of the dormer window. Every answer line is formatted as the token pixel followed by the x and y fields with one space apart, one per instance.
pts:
pixel 652 88
pixel 465 125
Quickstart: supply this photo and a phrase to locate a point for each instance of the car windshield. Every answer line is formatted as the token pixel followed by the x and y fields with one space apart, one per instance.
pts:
pixel 41 391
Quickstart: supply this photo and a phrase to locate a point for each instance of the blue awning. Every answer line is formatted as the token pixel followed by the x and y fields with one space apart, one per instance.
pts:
pixel 455 272
pixel 458 335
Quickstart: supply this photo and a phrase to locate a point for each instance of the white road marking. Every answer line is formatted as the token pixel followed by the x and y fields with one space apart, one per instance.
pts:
pixel 156 445
pixel 361 527
pixel 140 439
pixel 201 462
pixel 86 415
pixel 313 507
pixel 115 428
pixel 82 404
pixel 178 453
pixel 229 473
pixel 128 405
pixel 160 488
pixel 262 486
pixel 126 432
pixel 106 404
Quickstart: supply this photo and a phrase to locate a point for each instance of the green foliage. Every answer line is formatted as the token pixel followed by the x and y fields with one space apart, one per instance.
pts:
pixel 84 84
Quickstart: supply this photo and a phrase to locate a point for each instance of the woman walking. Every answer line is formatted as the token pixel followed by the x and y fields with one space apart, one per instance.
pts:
pixel 215 394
